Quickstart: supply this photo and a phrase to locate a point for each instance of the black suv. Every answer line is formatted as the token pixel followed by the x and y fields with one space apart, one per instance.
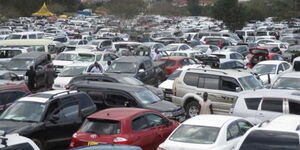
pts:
pixel 21 63
pixel 48 118
pixel 108 95
pixel 116 78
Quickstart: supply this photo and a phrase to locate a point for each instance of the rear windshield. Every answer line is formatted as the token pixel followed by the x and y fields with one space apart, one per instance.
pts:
pixel 101 127
pixel 271 140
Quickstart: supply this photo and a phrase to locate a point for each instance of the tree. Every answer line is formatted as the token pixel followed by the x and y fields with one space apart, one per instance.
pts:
pixel 193 7
pixel 230 12
pixel 166 8
pixel 126 8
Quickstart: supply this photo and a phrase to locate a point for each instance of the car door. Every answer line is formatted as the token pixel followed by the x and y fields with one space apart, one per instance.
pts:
pixel 63 119
pixel 143 135
pixel 270 108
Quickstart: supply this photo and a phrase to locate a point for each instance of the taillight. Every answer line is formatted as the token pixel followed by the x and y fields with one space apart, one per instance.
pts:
pixel 76 142
pixel 159 148
pixel 120 140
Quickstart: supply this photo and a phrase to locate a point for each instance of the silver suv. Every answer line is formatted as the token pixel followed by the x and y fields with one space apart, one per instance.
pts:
pixel 222 87
pixel 261 105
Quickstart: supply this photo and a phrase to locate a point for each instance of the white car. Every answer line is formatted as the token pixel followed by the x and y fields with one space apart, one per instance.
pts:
pixel 207 132
pixel 68 73
pixel 282 133
pixel 187 53
pixel 16 142
pixel 273 68
pixel 175 47
pixel 229 55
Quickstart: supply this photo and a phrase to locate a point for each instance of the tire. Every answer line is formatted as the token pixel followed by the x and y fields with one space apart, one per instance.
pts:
pixel 192 109
pixel 39 144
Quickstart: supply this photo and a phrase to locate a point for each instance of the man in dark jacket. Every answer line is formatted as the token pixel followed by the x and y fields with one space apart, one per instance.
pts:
pixel 31 78
pixel 49 76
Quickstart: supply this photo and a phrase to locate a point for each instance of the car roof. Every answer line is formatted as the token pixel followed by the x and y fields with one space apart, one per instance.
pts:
pixel 42 97
pixel 229 72
pixel 273 62
pixel 118 113
pixel 271 93
pixel 210 120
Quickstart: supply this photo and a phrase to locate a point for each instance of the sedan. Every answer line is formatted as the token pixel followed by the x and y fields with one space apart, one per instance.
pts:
pixel 207 132
pixel 9 78
pixel 131 126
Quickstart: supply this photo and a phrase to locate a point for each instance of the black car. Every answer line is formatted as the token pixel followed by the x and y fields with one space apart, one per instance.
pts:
pixel 48 118
pixel 140 67
pixel 21 63
pixel 108 95
pixel 116 78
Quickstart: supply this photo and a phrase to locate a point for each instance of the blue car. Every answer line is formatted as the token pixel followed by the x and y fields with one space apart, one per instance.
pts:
pixel 108 147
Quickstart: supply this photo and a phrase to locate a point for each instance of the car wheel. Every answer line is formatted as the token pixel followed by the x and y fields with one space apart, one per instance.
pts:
pixel 39 144
pixel 192 109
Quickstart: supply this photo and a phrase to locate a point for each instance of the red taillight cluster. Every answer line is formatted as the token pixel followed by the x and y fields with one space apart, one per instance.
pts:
pixel 77 143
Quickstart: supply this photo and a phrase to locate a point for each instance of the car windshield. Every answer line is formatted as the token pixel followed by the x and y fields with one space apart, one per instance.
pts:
pixel 66 57
pixel 287 83
pixel 19 64
pixel 170 48
pixel 24 111
pixel 130 80
pixel 271 140
pixel 101 127
pixel 201 49
pixel 195 134
pixel 72 71
pixel 250 83
pixel 73 42
pixel 146 97
pixel 122 67
pixel 179 54
pixel 263 69
pixel 86 57
pixel 174 75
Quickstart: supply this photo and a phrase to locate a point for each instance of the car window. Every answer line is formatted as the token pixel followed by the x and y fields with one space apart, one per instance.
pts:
pixel 22 146
pixel 154 120
pixel 98 57
pixel 101 126
pixel 85 100
pixel 106 43
pixel 233 131
pixel 211 82
pixel 252 103
pixel 239 65
pixel 139 123
pixel 107 57
pixel 272 105
pixel 119 101
pixel 244 126
pixel 32 36
pixel 229 84
pixel 280 68
pixel 80 43
pixel 294 107
pixel 70 111
pixel 191 79
pixel 286 66
pixel 233 56
pixel 184 62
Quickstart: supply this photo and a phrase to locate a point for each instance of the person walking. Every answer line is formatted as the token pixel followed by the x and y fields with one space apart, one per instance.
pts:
pixel 206 105
pixel 49 76
pixel 30 74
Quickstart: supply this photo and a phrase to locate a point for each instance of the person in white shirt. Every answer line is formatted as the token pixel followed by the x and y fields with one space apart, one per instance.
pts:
pixel 96 68
pixel 206 105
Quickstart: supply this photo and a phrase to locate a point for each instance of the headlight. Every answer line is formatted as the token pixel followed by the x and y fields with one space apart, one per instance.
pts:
pixel 167 114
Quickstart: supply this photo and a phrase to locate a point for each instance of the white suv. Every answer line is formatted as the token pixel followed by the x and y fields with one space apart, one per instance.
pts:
pixel 280 134
pixel 261 105
pixel 222 87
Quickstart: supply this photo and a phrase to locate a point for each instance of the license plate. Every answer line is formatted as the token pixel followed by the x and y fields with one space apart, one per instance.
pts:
pixel 93 143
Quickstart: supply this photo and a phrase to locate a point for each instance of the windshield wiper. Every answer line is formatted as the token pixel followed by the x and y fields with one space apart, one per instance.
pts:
pixel 10 120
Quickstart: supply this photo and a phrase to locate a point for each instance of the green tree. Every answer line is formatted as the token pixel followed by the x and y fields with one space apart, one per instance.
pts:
pixel 166 8
pixel 126 8
pixel 230 12
pixel 193 7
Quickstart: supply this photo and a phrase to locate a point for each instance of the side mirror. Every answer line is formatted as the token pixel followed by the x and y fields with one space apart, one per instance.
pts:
pixel 238 89
pixel 141 70
pixel 54 118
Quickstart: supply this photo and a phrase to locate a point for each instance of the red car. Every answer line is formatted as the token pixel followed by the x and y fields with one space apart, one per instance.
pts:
pixel 173 63
pixel 131 126
pixel 259 54
pixel 10 93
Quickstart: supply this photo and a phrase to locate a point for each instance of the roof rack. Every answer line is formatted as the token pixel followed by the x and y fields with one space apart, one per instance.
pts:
pixel 60 93
pixel 213 70
pixel 261 124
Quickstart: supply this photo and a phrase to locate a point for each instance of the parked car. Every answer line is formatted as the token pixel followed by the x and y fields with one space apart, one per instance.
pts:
pixel 261 105
pixel 108 95
pixel 259 54
pixel 115 78
pixel 140 67
pixel 9 78
pixel 288 81
pixel 213 132
pixel 291 53
pixel 6 53
pixel 10 93
pixel 241 49
pixel 282 133
pixel 222 86
pixel 16 142
pixel 269 70
pixel 131 126
pixel 48 118
pixel 173 63
pixel 108 147
pixel 21 63
pixel 175 47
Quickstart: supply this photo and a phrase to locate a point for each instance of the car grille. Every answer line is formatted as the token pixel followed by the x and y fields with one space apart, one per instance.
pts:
pixel 168 91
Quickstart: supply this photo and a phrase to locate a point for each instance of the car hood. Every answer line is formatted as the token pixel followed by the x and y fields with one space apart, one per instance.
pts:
pixel 155 90
pixel 163 106
pixel 16 126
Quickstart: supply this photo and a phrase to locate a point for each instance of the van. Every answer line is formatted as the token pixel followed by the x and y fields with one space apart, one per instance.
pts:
pixel 26 35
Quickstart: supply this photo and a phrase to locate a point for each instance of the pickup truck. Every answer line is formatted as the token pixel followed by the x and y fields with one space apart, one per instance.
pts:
pixel 140 67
